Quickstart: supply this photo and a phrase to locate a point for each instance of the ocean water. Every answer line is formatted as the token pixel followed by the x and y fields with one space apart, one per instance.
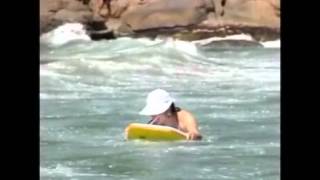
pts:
pixel 91 90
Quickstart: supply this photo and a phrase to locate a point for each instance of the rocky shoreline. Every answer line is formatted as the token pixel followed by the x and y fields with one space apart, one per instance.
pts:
pixel 181 19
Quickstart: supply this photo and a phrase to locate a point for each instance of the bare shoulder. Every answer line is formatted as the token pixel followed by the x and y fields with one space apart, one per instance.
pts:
pixel 189 123
pixel 186 114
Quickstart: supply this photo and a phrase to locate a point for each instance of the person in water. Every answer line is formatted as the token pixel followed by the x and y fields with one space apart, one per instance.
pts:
pixel 162 110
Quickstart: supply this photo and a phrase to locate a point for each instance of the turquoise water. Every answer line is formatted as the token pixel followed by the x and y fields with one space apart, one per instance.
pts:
pixel 90 91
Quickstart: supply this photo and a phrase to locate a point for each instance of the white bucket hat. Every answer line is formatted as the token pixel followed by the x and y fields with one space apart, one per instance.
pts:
pixel 157 102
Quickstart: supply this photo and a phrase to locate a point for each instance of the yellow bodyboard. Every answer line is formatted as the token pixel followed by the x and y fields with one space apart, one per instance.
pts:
pixel 153 132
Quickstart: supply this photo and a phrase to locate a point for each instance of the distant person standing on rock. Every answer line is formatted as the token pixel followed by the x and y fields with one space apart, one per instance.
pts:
pixel 98 5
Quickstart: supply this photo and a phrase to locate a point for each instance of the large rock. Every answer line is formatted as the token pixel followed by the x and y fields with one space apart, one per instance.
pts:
pixel 245 12
pixel 50 6
pixel 163 13
pixel 117 7
pixel 56 12
pixel 96 7
pixel 47 23
pixel 47 10
pixel 75 5
pixel 65 15
pixel 236 15
pixel 186 19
